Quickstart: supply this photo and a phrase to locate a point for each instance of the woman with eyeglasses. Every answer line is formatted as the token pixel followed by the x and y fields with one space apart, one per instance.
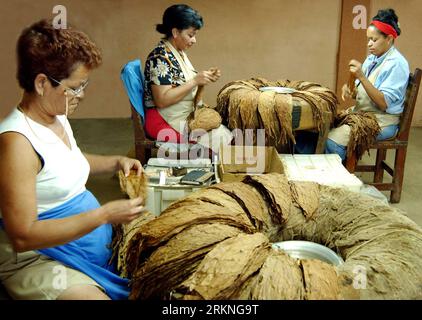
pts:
pixel 54 235
pixel 381 82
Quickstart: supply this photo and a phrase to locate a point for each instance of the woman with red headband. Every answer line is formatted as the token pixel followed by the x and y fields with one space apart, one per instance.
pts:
pixel 381 82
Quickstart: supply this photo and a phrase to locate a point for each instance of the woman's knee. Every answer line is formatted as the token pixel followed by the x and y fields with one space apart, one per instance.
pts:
pixel 387 133
pixel 333 147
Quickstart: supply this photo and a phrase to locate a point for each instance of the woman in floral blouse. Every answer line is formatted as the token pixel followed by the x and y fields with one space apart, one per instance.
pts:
pixel 171 80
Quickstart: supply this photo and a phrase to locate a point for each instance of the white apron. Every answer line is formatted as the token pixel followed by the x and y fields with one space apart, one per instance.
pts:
pixel 177 114
pixel 341 135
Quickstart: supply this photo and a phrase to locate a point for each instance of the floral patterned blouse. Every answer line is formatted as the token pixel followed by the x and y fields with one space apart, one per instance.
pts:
pixel 161 68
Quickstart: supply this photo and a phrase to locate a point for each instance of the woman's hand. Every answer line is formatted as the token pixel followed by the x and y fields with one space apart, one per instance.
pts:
pixel 206 77
pixel 167 95
pixel 122 211
pixel 126 164
pixel 346 93
pixel 216 73
pixel 355 68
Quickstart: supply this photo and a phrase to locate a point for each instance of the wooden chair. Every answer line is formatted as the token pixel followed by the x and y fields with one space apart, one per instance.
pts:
pixel 398 144
pixel 146 148
pixel 133 81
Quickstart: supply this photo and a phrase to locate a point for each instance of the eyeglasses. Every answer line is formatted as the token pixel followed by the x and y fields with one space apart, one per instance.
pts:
pixel 75 92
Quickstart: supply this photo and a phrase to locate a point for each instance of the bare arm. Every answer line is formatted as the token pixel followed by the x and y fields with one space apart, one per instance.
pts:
pixel 110 164
pixel 18 168
pixel 167 95
pixel 376 96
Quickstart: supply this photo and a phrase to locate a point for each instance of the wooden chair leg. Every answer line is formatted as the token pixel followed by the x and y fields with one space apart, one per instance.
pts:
pixel 351 163
pixel 398 175
pixel 379 170
pixel 148 154
pixel 140 153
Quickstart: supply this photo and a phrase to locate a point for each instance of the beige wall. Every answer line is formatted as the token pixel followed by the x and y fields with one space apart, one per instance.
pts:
pixel 245 38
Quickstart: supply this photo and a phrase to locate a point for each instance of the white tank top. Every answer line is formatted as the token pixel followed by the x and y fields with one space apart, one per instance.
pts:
pixel 65 171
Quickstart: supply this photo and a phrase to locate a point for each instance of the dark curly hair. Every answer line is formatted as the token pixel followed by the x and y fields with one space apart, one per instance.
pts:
pixel 41 48
pixel 179 16
pixel 390 17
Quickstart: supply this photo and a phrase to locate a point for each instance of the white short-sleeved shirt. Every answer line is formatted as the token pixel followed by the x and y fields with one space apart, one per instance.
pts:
pixel 65 171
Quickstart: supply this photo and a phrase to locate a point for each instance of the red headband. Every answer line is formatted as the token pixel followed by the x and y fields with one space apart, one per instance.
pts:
pixel 385 27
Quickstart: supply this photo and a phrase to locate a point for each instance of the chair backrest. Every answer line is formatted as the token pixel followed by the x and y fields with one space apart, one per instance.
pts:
pixel 133 81
pixel 409 105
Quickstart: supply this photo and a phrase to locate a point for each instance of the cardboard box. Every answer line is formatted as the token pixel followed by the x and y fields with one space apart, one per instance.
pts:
pixel 235 162
pixel 160 197
pixel 325 169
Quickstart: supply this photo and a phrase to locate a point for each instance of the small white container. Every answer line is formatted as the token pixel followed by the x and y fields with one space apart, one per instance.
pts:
pixel 325 169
